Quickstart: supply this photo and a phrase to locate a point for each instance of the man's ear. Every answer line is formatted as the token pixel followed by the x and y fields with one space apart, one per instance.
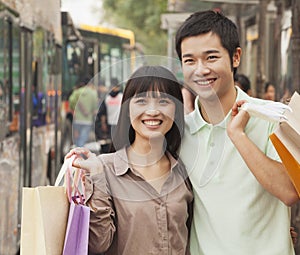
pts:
pixel 237 57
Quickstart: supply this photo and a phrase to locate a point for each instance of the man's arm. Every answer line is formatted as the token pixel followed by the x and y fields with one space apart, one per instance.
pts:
pixel 270 173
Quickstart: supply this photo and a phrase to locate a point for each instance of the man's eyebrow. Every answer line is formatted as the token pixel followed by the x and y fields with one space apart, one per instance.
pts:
pixel 212 51
pixel 187 55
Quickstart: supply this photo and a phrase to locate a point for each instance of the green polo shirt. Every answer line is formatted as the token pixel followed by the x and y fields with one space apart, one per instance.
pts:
pixel 233 213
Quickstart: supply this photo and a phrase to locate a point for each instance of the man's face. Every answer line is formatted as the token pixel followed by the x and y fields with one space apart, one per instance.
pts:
pixel 207 67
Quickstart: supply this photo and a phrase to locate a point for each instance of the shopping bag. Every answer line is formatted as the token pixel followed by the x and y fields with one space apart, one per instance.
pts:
pixel 77 233
pixel 44 217
pixel 44 220
pixel 286 140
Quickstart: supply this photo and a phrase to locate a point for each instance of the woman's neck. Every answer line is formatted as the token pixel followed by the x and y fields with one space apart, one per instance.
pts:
pixel 147 153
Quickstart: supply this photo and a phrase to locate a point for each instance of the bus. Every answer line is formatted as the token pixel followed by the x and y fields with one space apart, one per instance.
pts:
pixel 42 56
pixel 30 81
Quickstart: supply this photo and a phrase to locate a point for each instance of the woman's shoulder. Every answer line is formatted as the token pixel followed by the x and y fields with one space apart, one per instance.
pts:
pixel 107 160
pixel 115 162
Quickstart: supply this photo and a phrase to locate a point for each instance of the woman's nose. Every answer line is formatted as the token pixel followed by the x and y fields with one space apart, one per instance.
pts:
pixel 152 112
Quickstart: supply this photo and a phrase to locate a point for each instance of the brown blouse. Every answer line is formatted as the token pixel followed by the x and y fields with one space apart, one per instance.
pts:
pixel 129 216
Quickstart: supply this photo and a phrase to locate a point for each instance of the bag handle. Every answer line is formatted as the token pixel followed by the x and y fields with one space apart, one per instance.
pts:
pixel 67 164
pixel 72 180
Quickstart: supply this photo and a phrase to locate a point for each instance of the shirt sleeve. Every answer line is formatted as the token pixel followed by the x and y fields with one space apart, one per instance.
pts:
pixel 102 217
pixel 73 99
pixel 270 149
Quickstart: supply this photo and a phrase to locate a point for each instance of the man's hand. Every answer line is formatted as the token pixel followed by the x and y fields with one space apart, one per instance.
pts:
pixel 239 120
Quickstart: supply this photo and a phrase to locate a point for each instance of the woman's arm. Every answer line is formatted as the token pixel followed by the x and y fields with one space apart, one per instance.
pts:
pixel 98 198
pixel 102 218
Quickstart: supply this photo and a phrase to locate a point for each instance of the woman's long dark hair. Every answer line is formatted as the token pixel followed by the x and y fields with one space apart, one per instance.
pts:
pixel 156 79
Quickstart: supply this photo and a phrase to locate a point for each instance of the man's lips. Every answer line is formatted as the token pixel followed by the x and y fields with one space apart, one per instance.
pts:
pixel 204 83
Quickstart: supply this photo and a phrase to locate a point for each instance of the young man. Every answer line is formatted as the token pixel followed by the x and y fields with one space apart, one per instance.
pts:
pixel 242 191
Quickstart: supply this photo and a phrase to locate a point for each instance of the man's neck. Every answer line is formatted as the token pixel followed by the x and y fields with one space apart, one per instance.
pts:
pixel 215 110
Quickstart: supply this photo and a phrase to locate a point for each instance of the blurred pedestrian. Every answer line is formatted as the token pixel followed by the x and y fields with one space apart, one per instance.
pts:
pixel 109 112
pixel 269 91
pixel 140 197
pixel 84 103
pixel 101 132
pixel 243 82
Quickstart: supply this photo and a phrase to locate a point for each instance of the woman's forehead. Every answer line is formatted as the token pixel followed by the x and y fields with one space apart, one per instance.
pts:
pixel 151 93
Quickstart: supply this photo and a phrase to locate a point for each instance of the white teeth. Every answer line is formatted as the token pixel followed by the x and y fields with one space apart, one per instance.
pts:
pixel 205 83
pixel 152 122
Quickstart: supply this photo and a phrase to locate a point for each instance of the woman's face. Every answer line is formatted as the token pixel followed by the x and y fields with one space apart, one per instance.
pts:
pixel 270 93
pixel 151 116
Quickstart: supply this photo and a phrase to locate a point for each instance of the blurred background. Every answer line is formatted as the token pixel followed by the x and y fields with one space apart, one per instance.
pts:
pixel 52 49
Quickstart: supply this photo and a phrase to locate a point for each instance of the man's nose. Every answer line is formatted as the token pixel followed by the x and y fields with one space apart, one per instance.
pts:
pixel 202 68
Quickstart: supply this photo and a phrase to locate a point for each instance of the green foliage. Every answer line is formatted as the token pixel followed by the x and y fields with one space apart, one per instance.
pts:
pixel 143 17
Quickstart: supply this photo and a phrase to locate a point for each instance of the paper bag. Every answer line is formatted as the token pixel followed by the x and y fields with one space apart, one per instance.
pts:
pixel 286 140
pixel 44 220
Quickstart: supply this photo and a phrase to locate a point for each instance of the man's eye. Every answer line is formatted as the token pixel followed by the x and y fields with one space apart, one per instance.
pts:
pixel 212 57
pixel 189 60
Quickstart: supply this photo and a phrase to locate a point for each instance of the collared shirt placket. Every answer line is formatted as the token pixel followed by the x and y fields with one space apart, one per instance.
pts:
pixel 163 221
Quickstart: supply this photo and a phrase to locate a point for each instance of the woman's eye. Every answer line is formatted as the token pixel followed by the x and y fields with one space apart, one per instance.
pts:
pixel 164 101
pixel 140 101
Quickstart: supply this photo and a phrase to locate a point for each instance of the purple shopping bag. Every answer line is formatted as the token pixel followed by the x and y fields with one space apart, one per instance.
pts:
pixel 77 233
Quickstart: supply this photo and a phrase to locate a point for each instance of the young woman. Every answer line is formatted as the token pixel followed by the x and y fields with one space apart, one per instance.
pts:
pixel 140 197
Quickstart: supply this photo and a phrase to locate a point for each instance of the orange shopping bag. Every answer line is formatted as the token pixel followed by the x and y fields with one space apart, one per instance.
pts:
pixel 286 140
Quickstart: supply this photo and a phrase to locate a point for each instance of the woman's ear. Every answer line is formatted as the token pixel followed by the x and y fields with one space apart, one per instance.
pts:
pixel 237 57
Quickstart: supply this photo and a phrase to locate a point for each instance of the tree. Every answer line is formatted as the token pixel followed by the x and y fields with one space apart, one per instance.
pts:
pixel 143 17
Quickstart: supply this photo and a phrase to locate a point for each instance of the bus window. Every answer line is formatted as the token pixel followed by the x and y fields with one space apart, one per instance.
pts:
pixel 9 77
pixel 15 79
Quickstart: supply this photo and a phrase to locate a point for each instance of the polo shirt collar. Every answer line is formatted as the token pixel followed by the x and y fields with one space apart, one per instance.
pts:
pixel 195 121
pixel 121 161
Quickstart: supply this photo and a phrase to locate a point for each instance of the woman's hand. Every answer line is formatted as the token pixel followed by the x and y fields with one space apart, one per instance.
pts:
pixel 239 120
pixel 86 160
